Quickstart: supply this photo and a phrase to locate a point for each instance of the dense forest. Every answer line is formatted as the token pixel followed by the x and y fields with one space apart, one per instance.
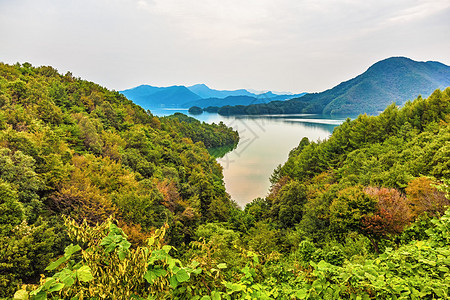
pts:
pixel 212 136
pixel 107 201
pixel 69 147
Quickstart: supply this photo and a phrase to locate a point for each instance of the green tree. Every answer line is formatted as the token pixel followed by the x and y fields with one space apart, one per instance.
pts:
pixel 11 211
pixel 287 203
pixel 348 210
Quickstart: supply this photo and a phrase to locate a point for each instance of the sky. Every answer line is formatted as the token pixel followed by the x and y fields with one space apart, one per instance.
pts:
pixel 282 45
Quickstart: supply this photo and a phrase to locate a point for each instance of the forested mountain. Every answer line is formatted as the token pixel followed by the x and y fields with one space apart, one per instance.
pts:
pixel 390 153
pixel 361 215
pixel 396 79
pixel 150 97
pixel 107 201
pixel 69 147
pixel 212 136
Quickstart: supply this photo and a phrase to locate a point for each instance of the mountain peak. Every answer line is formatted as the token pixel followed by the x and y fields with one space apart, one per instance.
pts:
pixel 394 79
pixel 205 92
pixel 198 85
pixel 391 62
pixel 396 58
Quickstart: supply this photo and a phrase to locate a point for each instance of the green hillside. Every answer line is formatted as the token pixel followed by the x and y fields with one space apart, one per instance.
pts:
pixel 69 147
pixel 107 201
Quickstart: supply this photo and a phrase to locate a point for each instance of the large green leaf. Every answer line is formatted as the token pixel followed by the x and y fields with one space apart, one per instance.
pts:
pixel 302 293
pixel 167 248
pixel 122 254
pixel 56 263
pixel 71 249
pixel 173 281
pixel 222 266
pixel 41 295
pixel 196 271
pixel 21 295
pixel 66 276
pixel 57 287
pixel 152 274
pixel 48 283
pixel 84 274
pixel 233 287
pixel 182 275
pixel 215 295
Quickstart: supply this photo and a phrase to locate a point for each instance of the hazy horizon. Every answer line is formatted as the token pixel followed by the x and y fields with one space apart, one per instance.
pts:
pixel 290 45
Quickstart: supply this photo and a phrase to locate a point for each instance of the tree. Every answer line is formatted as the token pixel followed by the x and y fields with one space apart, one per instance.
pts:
pixel 348 210
pixel 24 249
pixel 391 216
pixel 287 202
pixel 89 135
pixel 11 212
pixel 18 170
pixel 423 196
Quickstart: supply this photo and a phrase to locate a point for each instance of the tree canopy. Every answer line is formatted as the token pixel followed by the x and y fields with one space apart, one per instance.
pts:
pixel 101 199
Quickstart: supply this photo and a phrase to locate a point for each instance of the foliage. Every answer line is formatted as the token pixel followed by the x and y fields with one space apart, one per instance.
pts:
pixel 378 158
pixel 101 199
pixel 391 216
pixel 107 265
pixel 424 197
pixel 212 135
pixel 287 203
pixel 71 147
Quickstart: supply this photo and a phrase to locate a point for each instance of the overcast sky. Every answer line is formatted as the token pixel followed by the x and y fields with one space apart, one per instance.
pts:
pixel 283 45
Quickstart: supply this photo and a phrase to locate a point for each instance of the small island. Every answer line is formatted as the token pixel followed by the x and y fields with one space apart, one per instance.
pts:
pixel 195 110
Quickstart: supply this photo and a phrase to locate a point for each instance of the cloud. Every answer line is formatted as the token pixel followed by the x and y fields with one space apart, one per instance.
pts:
pixel 420 10
pixel 213 21
pixel 262 22
pixel 285 44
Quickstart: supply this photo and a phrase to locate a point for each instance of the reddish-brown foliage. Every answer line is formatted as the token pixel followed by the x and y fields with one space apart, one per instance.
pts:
pixel 82 202
pixel 172 199
pixel 392 212
pixel 423 196
pixel 135 235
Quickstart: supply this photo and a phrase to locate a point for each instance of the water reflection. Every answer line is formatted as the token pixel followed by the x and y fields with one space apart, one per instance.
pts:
pixel 220 152
pixel 265 142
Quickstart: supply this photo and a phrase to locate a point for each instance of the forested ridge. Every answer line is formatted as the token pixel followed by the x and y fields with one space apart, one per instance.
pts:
pixel 69 147
pixel 211 136
pixel 115 203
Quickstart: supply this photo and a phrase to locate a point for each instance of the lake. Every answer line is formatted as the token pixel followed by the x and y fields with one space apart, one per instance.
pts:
pixel 265 142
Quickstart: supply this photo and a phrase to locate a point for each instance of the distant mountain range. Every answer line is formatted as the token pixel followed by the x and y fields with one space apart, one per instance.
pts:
pixel 396 79
pixel 205 92
pixel 197 95
pixel 149 97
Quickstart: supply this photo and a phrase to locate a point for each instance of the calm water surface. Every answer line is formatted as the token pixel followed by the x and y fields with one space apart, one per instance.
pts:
pixel 265 142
